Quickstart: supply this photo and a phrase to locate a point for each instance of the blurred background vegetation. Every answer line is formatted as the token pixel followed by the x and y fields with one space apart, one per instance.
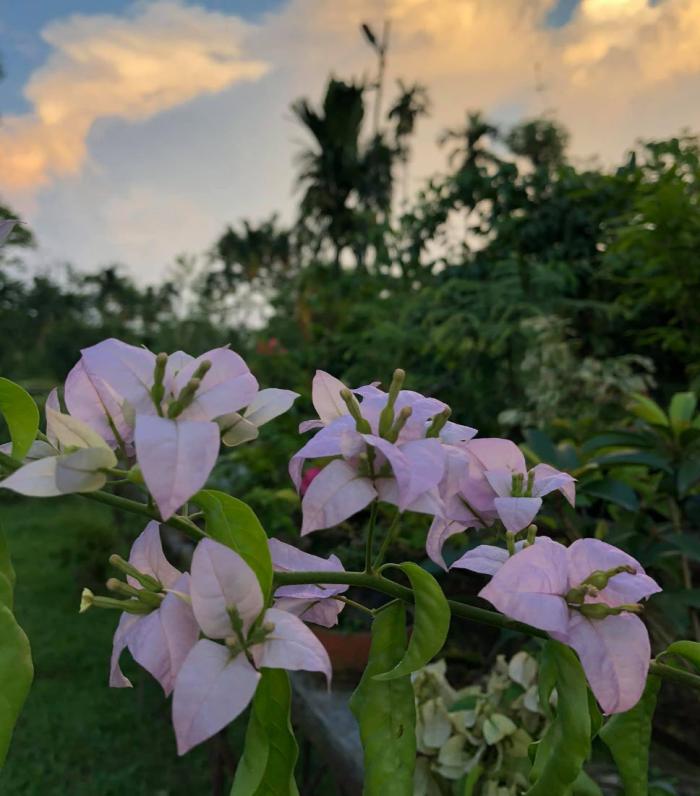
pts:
pixel 550 302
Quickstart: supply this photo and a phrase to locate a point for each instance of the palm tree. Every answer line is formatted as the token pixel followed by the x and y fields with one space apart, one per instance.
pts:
pixel 331 168
pixel 469 141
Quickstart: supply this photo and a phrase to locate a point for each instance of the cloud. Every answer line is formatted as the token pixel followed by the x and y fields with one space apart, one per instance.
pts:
pixel 161 55
pixel 153 130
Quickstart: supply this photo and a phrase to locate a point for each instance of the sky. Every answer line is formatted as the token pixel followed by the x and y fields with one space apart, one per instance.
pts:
pixel 134 132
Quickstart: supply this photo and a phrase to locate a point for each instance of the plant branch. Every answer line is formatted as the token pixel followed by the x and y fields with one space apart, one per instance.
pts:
pixel 470 612
pixel 388 539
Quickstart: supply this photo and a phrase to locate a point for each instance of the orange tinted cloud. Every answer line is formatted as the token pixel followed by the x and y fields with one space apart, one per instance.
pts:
pixel 101 66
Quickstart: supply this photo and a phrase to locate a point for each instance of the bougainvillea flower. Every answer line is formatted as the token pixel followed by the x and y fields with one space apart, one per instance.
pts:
pixel 486 559
pixel 268 404
pixel 310 602
pixel 329 405
pixel 217 681
pixel 576 595
pixel 467 499
pixel 74 460
pixel 325 396
pixel 518 492
pixel 487 480
pixel 175 457
pixel 403 468
pixel 164 407
pixel 160 640
pixel 92 400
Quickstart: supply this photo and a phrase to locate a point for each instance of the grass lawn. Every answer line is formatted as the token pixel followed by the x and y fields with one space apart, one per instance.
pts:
pixel 76 736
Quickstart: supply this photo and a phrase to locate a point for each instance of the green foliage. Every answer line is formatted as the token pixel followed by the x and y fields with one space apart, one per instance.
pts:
pixel 233 523
pixel 565 746
pixel 688 650
pixel 16 668
pixel 270 753
pixel 430 624
pixel 385 710
pixel 628 736
pixel 100 740
pixel 21 415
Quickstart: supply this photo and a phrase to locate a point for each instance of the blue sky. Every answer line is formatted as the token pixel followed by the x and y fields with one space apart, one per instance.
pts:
pixel 149 126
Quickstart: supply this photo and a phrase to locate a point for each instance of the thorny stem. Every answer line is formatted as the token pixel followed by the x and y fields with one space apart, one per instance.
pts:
pixel 470 612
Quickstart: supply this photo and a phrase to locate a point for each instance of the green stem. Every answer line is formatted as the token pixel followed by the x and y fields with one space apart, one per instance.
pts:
pixel 676 675
pixel 388 539
pixel 354 604
pixel 370 537
pixel 134 507
pixel 378 583
pixel 470 612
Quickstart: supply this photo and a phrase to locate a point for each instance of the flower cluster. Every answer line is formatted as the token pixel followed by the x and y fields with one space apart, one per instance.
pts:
pixel 168 413
pixel 205 635
pixel 400 448
pixel 586 596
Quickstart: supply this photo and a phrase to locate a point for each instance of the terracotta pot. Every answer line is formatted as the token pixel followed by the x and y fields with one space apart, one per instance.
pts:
pixel 348 652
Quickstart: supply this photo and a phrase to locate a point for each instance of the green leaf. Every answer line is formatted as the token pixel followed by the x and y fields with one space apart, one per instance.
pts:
pixel 682 409
pixel 688 475
pixel 6 568
pixel 233 523
pixel 648 410
pixel 628 735
pixel 688 544
pixel 636 458
pixel 430 625
pixel 566 743
pixel 16 673
pixel 614 491
pixel 471 781
pixel 270 753
pixel 385 710
pixel 6 592
pixel 688 650
pixel 21 416
pixel 585 786
pixel 617 439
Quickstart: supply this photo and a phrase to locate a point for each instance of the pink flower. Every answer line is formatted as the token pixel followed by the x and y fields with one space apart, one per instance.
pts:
pixel 74 460
pixel 402 467
pixel 164 408
pixel 217 681
pixel 518 491
pixel 159 641
pixel 307 478
pixel 584 596
pixel 309 602
pixel 487 480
